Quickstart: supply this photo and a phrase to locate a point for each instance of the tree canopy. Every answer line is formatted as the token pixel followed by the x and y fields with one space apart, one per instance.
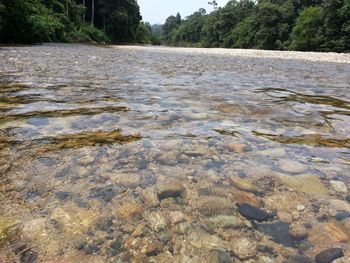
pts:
pixel 319 25
pixel 33 21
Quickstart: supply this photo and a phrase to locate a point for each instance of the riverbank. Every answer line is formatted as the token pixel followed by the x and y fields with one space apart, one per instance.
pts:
pixel 252 53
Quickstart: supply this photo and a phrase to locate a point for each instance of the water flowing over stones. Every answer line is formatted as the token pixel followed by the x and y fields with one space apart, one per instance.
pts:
pixel 128 154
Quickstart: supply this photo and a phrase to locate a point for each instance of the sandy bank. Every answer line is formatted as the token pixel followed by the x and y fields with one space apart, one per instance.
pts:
pixel 253 53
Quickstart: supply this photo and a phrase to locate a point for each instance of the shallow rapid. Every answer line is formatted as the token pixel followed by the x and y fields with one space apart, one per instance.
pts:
pixel 130 155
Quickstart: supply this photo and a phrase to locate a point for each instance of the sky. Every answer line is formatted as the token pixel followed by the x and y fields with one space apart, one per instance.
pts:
pixel 156 11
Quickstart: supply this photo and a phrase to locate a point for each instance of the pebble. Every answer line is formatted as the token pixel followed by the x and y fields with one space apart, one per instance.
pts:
pixel 285 217
pixel 244 248
pixel 279 232
pixel 298 231
pixel 300 208
pixel 336 232
pixel 225 221
pixel 253 213
pixel 170 189
pixel 176 217
pixel 292 166
pixel 129 210
pixel 329 255
pixel 211 206
pixel 245 197
pixel 338 186
pixel 242 184
pixel 306 183
pixel 157 221
pixel 236 147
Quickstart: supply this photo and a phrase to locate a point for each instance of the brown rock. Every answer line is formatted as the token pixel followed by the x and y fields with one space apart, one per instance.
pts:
pixel 244 197
pixel 129 210
pixel 211 206
pixel 298 231
pixel 335 232
pixel 242 184
pixel 236 147
pixel 244 248
pixel 170 189
pixel 285 217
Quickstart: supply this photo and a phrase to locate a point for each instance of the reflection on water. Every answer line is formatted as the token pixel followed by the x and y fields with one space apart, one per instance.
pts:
pixel 111 155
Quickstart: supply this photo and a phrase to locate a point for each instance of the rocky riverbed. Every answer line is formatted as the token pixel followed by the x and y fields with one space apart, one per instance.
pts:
pixel 131 154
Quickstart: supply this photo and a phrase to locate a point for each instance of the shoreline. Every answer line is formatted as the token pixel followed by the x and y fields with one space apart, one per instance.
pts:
pixel 311 56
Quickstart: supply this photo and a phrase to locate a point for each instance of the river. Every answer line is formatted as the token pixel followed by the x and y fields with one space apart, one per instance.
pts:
pixel 149 155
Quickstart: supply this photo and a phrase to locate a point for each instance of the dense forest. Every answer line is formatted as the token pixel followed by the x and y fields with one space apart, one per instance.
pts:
pixel 320 25
pixel 35 21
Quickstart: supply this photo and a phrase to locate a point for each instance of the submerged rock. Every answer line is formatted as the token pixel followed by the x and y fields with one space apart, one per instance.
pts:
pixel 279 232
pixel 306 183
pixel 211 206
pixel 244 248
pixel 292 166
pixel 170 189
pixel 253 213
pixel 338 186
pixel 327 256
pixel 242 184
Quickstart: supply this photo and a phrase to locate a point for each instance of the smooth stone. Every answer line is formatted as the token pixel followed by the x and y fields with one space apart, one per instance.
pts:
pixel 226 221
pixel 279 232
pixel 242 184
pixel 244 248
pixel 342 215
pixel 327 256
pixel 170 189
pixel 306 183
pixel 129 210
pixel 285 217
pixel 339 205
pixel 336 232
pixel 292 166
pixel 300 259
pixel 300 208
pixel 236 147
pixel 211 206
pixel 347 198
pixel 106 193
pixel 298 231
pixel 253 213
pixel 245 197
pixel 338 186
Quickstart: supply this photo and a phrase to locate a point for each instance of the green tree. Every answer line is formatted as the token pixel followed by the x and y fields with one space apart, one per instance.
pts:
pixel 307 32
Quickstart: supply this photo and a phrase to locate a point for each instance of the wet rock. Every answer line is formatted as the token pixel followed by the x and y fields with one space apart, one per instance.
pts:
pixel 329 255
pixel 300 208
pixel 157 221
pixel 225 221
pixel 347 198
pixel 285 217
pixel 253 213
pixel 236 147
pixel 244 248
pixel 164 236
pixel 210 206
pixel 300 259
pixel 63 196
pixel 128 180
pixel 245 197
pixel 242 184
pixel 115 247
pixel 279 232
pixel 170 189
pixel 298 231
pixel 106 193
pixel 150 197
pixel 74 220
pixel 338 186
pixel 292 166
pixel 336 232
pixel 273 152
pixel 176 217
pixel 224 257
pixel 339 205
pixel 104 223
pixel 342 260
pixel 342 215
pixel 28 256
pixel 306 183
pixel 128 210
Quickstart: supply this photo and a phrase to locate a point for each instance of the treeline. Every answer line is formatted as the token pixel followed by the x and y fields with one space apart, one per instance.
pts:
pixel 33 21
pixel 319 25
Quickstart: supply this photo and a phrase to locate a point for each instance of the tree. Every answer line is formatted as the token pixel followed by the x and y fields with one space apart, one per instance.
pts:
pixel 307 32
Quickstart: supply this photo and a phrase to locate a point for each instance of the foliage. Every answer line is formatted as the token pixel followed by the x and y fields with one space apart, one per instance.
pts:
pixel 36 21
pixel 322 25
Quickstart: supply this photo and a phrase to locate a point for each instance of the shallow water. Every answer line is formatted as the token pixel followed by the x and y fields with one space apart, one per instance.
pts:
pixel 111 155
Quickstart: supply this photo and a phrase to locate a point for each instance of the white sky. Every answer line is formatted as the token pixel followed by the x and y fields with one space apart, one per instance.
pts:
pixel 156 11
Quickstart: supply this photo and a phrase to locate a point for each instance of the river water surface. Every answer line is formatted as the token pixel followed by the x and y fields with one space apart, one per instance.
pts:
pixel 117 155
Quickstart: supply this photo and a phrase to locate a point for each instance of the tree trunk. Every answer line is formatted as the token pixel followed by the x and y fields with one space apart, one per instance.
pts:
pixel 92 12
pixel 84 12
